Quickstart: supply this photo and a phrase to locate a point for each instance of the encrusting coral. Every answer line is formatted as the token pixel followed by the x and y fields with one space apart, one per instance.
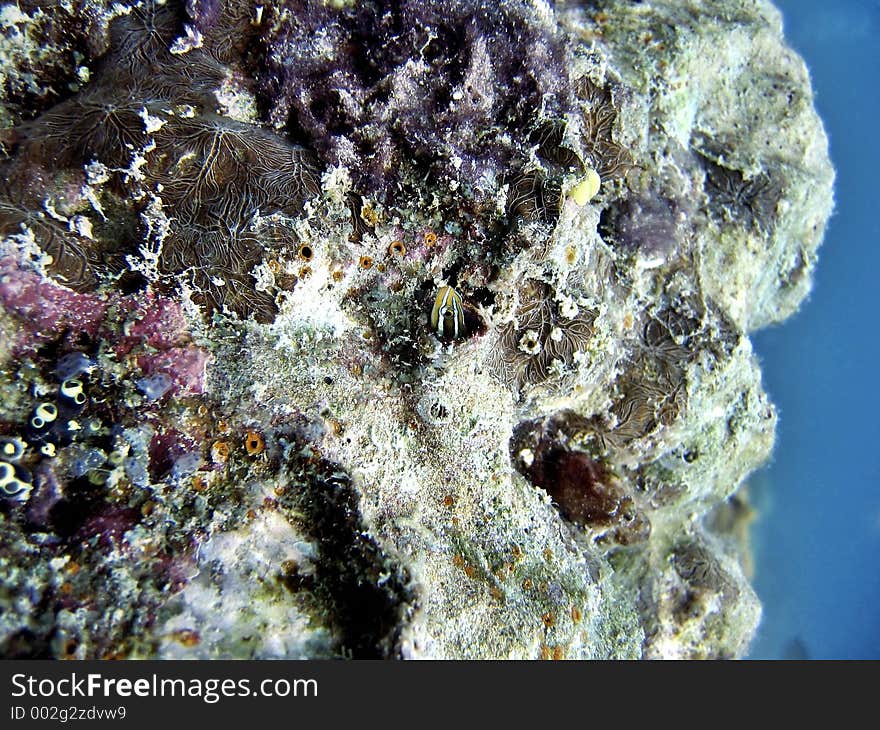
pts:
pixel 395 329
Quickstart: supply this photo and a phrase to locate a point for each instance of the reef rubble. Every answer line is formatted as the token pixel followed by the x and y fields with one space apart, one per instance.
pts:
pixel 412 329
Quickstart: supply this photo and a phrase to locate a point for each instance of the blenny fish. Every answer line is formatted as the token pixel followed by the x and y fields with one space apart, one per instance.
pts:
pixel 447 316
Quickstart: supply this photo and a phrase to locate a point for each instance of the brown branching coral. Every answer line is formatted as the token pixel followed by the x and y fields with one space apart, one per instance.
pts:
pixel 90 126
pixel 733 196
pixel 653 392
pixel 542 340
pixel 642 408
pixel 610 159
pixel 663 345
pixel 191 83
pixel 217 261
pixel 141 38
pixel 148 119
pixel 213 168
pixel 535 193
pixel 227 28
pixel 549 137
pixel 532 197
pixel 71 259
pixel 696 565
pixel 703 582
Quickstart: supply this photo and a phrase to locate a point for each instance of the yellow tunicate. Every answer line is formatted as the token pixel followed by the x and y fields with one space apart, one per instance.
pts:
pixel 586 189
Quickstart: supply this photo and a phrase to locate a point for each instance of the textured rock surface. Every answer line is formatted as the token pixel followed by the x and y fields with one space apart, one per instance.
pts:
pixel 226 225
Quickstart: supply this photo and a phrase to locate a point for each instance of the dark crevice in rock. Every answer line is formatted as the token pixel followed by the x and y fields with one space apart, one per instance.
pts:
pixel 362 588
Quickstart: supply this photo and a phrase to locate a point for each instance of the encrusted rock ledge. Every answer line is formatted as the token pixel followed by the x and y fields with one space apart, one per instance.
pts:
pixel 414 329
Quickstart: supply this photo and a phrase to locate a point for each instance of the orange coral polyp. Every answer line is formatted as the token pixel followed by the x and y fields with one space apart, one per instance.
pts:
pixel 254 443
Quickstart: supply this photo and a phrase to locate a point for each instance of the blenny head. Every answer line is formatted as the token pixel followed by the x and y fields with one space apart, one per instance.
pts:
pixel 447 315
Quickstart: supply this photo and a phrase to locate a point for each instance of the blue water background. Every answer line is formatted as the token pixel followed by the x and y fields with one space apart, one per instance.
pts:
pixel 817 540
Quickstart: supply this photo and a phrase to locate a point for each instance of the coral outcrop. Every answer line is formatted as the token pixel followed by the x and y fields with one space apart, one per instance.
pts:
pixel 392 329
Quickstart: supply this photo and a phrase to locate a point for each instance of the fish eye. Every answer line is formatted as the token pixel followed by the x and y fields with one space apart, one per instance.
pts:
pixel 37 422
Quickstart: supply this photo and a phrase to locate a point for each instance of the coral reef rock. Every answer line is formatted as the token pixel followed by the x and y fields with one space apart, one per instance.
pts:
pixel 392 329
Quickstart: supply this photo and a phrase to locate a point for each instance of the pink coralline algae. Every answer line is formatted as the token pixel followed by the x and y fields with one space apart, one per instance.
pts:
pixel 158 334
pixel 186 366
pixel 109 525
pixel 44 308
pixel 150 327
pixel 167 448
pixel 154 321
